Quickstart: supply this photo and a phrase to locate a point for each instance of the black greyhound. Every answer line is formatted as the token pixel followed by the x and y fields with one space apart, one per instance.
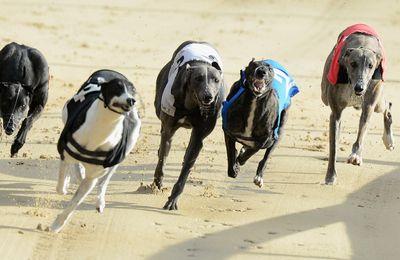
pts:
pixel 24 86
pixel 255 113
pixel 190 92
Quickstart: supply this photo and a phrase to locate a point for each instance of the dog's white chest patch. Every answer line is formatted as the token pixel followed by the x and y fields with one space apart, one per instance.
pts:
pixel 250 120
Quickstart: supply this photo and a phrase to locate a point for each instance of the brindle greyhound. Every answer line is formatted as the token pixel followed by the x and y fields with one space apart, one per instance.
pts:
pixel 198 93
pixel 359 85
pixel 255 113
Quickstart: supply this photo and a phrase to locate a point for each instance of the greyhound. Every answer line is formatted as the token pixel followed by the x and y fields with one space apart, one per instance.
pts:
pixel 189 93
pixel 101 128
pixel 24 86
pixel 353 76
pixel 255 112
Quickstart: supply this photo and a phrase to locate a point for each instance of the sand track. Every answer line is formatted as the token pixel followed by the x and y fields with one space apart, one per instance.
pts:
pixel 292 217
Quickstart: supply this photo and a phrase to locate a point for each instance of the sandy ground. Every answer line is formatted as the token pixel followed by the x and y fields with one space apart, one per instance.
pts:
pixel 293 217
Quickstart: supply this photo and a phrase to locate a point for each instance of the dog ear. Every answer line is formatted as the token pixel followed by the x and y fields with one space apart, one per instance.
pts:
pixel 104 89
pixel 379 70
pixel 252 60
pixel 181 81
pixel 343 78
pixel 216 65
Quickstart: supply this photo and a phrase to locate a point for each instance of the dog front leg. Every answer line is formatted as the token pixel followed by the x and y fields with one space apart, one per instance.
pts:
pixel 231 152
pixel 38 102
pixel 103 183
pixel 84 189
pixel 385 108
pixel 191 154
pixel 334 133
pixel 167 133
pixel 355 157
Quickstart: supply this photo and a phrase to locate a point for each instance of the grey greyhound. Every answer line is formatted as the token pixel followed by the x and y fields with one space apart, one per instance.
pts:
pixel 189 94
pixel 358 83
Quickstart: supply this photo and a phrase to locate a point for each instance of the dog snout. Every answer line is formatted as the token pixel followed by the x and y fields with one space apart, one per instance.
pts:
pixel 260 72
pixel 130 101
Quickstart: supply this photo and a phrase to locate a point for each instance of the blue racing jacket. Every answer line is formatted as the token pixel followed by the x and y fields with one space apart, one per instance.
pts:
pixel 283 84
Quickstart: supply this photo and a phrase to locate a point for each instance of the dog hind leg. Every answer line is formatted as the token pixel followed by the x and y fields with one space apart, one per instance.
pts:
pixel 103 183
pixel 245 154
pixel 79 172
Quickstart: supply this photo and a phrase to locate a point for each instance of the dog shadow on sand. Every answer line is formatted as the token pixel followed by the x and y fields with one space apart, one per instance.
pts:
pixel 366 239
pixel 33 184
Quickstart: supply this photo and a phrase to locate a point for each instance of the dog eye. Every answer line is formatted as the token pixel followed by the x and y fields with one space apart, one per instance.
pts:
pixel 216 80
pixel 370 66
pixel 353 64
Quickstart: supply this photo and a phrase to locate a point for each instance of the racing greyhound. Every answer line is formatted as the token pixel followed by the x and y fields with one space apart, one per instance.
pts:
pixel 189 93
pixel 24 87
pixel 353 76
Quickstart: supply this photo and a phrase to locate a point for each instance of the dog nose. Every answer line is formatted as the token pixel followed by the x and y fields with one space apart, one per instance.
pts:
pixel 130 101
pixel 260 72
pixel 207 99
pixel 9 130
pixel 358 88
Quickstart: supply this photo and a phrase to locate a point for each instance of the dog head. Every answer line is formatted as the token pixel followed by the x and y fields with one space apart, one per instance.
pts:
pixel 118 95
pixel 361 65
pixel 204 82
pixel 259 76
pixel 14 105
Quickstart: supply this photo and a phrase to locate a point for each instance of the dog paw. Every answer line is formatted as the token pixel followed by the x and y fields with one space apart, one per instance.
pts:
pixel 234 171
pixel 158 182
pixel 57 225
pixel 172 204
pixel 331 180
pixel 54 228
pixel 61 190
pixel 100 205
pixel 355 159
pixel 388 142
pixel 15 147
pixel 258 181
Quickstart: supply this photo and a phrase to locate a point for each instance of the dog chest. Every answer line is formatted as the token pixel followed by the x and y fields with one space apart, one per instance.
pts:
pixel 249 117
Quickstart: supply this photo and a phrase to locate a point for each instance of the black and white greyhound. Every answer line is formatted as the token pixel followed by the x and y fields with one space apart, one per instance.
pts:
pixel 101 127
pixel 189 93
pixel 24 86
